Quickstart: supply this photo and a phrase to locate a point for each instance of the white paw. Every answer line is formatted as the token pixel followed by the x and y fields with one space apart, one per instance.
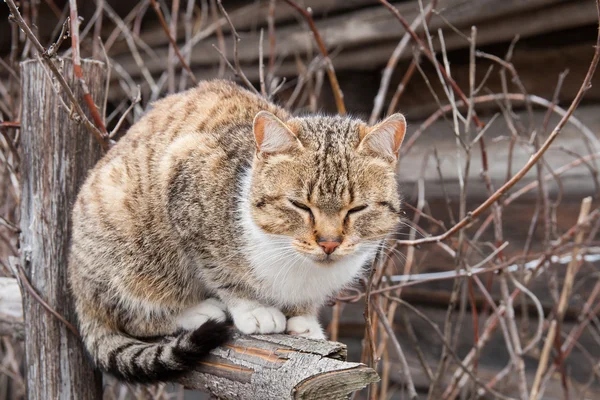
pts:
pixel 195 316
pixel 258 320
pixel 306 326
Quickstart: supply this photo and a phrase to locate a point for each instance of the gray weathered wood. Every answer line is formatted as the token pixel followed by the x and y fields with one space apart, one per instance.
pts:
pixel 273 367
pixel 56 154
pixel 260 367
pixel 368 36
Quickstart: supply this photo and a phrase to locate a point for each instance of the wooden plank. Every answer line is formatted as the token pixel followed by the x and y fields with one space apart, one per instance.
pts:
pixel 368 36
pixel 250 16
pixel 419 162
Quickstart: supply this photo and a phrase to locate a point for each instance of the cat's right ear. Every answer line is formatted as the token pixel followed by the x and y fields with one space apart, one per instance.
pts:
pixel 384 139
pixel 272 135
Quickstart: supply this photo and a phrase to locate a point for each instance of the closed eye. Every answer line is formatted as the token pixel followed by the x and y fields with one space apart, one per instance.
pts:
pixel 389 206
pixel 299 205
pixel 357 209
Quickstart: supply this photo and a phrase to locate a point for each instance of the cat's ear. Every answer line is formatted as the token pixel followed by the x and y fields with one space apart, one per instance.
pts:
pixel 272 135
pixel 385 138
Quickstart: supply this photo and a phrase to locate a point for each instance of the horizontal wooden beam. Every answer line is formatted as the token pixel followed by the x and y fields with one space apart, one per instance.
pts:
pixel 419 162
pixel 368 36
pixel 260 367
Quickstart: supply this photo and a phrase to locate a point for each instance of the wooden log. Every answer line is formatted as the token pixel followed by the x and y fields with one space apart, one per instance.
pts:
pixel 56 154
pixel 260 367
pixel 265 367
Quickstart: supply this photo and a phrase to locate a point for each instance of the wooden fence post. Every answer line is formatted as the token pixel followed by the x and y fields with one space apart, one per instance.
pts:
pixel 56 154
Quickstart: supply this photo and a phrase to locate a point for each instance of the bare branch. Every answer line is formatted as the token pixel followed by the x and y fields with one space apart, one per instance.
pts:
pixel 335 86
pixel 236 60
pixel 532 161
pixel 172 41
pixel 78 72
pixel 101 136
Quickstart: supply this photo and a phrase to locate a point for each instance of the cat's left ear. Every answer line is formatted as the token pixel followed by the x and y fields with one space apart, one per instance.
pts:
pixel 272 135
pixel 384 139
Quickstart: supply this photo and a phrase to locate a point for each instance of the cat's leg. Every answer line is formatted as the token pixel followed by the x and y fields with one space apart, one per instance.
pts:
pixel 197 315
pixel 252 317
pixel 304 322
pixel 306 326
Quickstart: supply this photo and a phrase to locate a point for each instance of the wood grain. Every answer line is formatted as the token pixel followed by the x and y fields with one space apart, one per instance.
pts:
pixel 265 367
pixel 260 367
pixel 56 154
pixel 367 36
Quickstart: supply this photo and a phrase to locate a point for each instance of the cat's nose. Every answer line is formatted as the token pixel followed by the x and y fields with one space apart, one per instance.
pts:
pixel 329 245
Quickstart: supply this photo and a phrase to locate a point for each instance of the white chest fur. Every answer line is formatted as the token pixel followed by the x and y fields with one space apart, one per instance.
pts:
pixel 289 278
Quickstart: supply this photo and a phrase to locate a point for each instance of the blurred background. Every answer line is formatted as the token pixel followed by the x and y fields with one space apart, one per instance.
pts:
pixel 519 63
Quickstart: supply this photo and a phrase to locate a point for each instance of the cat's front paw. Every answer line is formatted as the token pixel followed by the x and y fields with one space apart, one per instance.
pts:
pixel 259 320
pixel 195 316
pixel 306 326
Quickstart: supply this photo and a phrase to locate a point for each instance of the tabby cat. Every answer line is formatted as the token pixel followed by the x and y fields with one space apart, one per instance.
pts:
pixel 219 203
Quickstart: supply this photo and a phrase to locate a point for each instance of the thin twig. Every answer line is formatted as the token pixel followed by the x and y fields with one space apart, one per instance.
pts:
pixel 173 34
pixel 511 322
pixel 236 60
pixel 431 56
pixel 261 65
pixel 335 86
pixel 532 161
pixel 220 38
pixel 451 351
pixel 562 305
pixel 78 72
pixel 172 41
pixel 412 392
pixel 100 136
pixel 98 29
pixel 131 44
pixel 24 282
pixel 391 65
pixel 134 102
pixel 272 44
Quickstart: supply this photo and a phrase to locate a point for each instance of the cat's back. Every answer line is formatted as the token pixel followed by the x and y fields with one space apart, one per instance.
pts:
pixel 208 111
pixel 206 124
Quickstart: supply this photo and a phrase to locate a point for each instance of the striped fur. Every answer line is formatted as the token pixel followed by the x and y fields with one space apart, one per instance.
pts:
pixel 195 214
pixel 138 361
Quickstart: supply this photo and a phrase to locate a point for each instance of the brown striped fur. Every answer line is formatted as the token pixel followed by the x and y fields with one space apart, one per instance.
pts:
pixel 190 204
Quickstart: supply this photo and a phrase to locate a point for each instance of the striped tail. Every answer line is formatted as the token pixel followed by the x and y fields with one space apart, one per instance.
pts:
pixel 135 361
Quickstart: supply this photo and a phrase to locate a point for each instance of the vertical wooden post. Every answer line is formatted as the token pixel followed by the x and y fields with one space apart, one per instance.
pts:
pixel 56 154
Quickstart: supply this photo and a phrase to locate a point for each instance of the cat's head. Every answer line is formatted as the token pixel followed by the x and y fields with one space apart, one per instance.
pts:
pixel 327 184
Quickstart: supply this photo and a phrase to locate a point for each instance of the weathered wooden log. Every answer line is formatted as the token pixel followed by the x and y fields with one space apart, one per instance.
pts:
pixel 271 367
pixel 56 153
pixel 260 367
